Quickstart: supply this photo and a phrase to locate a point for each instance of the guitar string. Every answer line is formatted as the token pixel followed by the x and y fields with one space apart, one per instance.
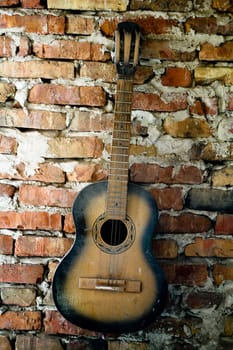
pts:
pixel 121 119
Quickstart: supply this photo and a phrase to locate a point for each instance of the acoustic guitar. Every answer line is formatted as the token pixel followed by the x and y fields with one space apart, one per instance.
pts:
pixel 109 281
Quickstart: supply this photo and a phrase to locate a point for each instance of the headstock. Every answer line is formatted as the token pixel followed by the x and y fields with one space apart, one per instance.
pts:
pixel 127 42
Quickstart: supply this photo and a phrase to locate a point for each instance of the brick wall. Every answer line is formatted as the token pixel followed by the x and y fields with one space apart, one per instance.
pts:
pixel 57 84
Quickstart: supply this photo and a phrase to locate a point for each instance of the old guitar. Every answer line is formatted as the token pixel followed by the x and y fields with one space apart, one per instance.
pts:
pixel 109 281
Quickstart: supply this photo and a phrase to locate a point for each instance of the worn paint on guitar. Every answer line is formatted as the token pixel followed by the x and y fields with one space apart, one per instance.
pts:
pixel 107 310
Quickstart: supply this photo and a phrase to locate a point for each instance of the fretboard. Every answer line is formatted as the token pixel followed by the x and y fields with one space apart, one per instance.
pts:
pixel 119 164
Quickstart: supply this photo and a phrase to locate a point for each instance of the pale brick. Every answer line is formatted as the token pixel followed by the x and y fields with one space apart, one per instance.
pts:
pixel 165 249
pixel 188 127
pixel 4 341
pixel 225 129
pixel 37 69
pixel 8 145
pixel 91 121
pixel 210 74
pixel 79 24
pixel 5 46
pixel 33 119
pixel 223 5
pixel 109 5
pixel 18 296
pixel 38 342
pixel 7 91
pixel 223 177
pixel 75 147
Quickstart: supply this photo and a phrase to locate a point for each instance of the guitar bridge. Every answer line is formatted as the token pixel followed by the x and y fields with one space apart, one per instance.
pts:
pixel 111 285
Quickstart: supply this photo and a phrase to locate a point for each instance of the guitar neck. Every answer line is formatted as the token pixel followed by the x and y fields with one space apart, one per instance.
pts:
pixel 119 164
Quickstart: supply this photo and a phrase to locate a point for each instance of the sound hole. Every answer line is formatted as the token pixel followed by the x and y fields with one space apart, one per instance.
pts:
pixel 113 232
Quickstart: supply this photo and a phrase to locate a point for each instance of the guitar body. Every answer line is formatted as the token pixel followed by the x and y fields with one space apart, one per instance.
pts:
pixel 110 285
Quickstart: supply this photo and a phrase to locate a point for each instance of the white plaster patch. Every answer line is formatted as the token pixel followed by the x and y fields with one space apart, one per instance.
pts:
pixel 32 148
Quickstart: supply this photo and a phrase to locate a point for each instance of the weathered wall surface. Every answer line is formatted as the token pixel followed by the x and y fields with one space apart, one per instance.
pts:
pixel 57 85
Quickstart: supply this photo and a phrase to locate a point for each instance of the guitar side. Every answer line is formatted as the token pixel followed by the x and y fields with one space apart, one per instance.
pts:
pixel 119 291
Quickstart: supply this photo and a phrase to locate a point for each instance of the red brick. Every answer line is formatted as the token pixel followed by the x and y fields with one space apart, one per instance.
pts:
pixel 87 172
pixel 224 52
pixel 21 320
pixel 154 102
pixel 21 273
pixel 30 220
pixel 42 246
pixel 6 245
pixel 183 223
pixel 7 190
pixel 32 23
pixel 177 76
pixel 46 172
pixel 52 265
pixel 8 145
pixel 222 273
pixel 35 4
pixel 153 173
pixel 164 50
pixel 72 50
pixel 9 3
pixel 56 24
pixel 208 25
pixel 148 24
pixel 69 226
pixel 23 47
pixel 188 174
pixel 205 299
pixel 49 196
pixel 5 46
pixel 222 248
pixel 54 323
pixel 224 224
pixel 204 106
pixel 168 198
pixel 185 274
pixel 68 95
pixel 165 249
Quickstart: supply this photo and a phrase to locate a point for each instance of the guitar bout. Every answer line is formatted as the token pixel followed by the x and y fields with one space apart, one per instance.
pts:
pixel 113 236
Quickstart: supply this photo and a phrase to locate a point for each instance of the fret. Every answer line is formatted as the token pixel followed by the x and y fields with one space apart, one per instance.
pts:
pixel 123 102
